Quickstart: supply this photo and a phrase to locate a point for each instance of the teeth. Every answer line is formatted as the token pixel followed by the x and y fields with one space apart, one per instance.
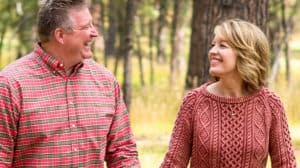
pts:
pixel 215 59
pixel 88 44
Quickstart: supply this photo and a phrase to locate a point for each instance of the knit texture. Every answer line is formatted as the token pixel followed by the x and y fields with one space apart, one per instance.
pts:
pixel 222 132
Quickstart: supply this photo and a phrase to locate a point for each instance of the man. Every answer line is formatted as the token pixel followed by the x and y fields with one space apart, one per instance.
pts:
pixel 57 106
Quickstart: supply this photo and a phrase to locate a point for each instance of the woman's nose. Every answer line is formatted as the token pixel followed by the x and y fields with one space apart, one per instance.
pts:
pixel 213 50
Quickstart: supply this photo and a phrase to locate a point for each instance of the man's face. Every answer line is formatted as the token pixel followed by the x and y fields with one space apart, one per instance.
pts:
pixel 78 41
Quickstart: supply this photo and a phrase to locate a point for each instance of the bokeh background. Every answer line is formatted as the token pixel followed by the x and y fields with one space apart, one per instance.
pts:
pixel 157 49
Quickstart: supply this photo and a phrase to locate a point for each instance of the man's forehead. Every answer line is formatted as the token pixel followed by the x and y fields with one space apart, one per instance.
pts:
pixel 80 15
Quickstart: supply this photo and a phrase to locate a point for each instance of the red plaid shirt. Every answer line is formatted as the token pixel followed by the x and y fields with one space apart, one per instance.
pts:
pixel 48 118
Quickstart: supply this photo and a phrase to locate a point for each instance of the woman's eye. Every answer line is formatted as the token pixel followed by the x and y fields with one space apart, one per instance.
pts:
pixel 223 45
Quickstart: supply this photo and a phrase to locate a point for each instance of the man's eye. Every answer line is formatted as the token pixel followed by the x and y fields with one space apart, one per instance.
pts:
pixel 85 27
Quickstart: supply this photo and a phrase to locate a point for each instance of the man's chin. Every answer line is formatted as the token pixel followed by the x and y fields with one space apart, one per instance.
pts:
pixel 87 56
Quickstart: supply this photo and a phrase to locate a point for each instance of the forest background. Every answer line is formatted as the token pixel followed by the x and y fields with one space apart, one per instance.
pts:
pixel 158 51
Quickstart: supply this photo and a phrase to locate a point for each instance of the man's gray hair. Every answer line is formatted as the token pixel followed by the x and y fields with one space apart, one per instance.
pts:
pixel 54 14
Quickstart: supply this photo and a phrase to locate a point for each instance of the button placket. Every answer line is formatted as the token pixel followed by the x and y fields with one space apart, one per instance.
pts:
pixel 72 120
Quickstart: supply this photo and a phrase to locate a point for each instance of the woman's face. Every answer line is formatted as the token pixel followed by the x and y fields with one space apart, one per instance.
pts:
pixel 223 59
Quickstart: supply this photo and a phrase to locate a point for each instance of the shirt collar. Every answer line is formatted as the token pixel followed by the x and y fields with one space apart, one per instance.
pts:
pixel 52 62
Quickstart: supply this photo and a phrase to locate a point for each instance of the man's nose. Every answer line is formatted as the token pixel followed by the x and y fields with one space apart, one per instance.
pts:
pixel 94 32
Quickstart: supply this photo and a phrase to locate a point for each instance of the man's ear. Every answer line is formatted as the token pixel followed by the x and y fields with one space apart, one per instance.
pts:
pixel 59 35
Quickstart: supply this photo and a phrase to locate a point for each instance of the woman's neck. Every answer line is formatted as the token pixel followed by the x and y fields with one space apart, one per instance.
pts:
pixel 227 89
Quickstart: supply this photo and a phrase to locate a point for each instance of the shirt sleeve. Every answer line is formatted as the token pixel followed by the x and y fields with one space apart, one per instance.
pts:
pixel 280 147
pixel 121 147
pixel 180 145
pixel 8 122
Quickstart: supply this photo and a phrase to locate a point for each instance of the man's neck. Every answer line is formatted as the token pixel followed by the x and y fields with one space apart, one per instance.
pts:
pixel 55 51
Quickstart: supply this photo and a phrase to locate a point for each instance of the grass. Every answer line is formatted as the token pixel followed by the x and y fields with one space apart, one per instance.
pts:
pixel 152 120
pixel 289 94
pixel 154 107
pixel 154 110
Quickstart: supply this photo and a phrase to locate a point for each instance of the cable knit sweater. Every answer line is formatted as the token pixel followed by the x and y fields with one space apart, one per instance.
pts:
pixel 223 132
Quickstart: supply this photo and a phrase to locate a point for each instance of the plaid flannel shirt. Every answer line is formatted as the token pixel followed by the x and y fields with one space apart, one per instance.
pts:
pixel 48 118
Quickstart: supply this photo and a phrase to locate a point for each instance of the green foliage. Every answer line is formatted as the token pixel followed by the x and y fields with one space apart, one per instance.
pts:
pixel 289 93
pixel 154 110
pixel 154 107
pixel 19 18
pixel 147 9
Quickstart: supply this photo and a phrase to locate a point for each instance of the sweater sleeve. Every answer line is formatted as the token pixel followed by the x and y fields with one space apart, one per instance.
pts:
pixel 179 151
pixel 280 147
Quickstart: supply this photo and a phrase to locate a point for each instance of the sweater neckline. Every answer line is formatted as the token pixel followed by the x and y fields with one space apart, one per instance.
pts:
pixel 229 99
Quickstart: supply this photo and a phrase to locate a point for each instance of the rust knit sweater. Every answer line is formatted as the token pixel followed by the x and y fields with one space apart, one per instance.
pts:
pixel 223 132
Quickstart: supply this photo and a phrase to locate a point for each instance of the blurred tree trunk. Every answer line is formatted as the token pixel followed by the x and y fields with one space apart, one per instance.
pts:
pixel 176 40
pixel 288 30
pixel 285 42
pixel 139 52
pixel 281 26
pixel 102 14
pixel 110 39
pixel 96 12
pixel 26 22
pixel 142 23
pixel 206 15
pixel 127 52
pixel 160 38
pixel 151 32
pixel 23 27
pixel 117 59
pixel 121 19
pixel 2 35
pixel 275 38
pixel 5 17
pixel 101 27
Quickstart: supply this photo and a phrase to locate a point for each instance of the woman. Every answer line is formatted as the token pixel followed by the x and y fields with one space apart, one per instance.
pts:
pixel 233 122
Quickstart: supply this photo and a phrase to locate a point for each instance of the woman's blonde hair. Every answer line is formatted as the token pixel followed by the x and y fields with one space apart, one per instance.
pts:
pixel 252 48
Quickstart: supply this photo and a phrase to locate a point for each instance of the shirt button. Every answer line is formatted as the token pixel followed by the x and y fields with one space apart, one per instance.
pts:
pixel 73 126
pixel 75 149
pixel 70 102
pixel 61 65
